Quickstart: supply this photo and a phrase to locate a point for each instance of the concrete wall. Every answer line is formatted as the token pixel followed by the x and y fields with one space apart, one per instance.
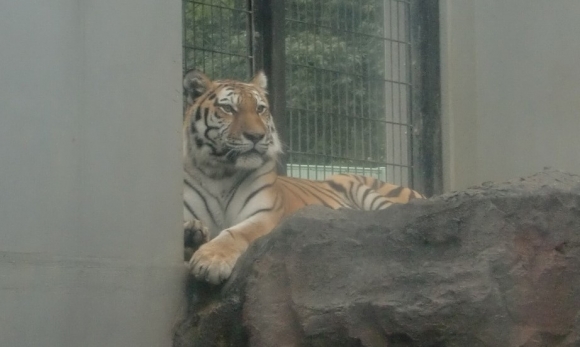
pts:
pixel 90 212
pixel 511 88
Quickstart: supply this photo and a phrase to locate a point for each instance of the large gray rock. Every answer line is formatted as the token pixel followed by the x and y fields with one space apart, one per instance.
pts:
pixel 495 265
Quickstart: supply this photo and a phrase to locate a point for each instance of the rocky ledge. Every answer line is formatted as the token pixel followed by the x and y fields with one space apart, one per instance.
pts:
pixel 494 265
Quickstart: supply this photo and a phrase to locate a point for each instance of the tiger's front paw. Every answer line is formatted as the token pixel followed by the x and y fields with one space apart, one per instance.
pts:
pixel 214 261
pixel 194 235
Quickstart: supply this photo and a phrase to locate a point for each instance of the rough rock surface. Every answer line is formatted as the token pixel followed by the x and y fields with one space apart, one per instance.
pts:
pixel 495 265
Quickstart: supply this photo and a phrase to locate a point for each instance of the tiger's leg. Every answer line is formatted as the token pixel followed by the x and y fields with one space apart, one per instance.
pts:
pixel 195 234
pixel 215 260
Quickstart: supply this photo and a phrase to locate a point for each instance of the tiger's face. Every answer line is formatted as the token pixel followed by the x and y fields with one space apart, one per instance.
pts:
pixel 228 126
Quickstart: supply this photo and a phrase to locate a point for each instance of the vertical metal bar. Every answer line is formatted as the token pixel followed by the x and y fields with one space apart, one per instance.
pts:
pixel 409 88
pixel 372 116
pixel 184 62
pixel 211 54
pixel 332 115
pixel 270 21
pixel 184 23
pixel 229 35
pixel 221 47
pixel 257 22
pixel 251 30
pixel 353 110
pixel 290 117
pixel 392 61
pixel 416 117
pixel 427 173
pixel 400 87
pixel 325 123
pixel 364 119
pixel 315 115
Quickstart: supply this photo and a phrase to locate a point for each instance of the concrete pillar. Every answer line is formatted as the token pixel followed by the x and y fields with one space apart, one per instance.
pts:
pixel 90 173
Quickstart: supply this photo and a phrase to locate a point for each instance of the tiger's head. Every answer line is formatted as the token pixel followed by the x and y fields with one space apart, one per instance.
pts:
pixel 228 126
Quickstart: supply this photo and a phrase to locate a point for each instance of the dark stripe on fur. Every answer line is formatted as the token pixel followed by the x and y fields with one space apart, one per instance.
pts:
pixel 353 194
pixel 360 179
pixel 306 192
pixel 373 202
pixel 190 209
pixel 275 206
pixel 365 194
pixel 236 187
pixel 202 199
pixel 395 192
pixel 384 202
pixel 256 192
pixel 338 188
pixel 300 196
pixel 325 193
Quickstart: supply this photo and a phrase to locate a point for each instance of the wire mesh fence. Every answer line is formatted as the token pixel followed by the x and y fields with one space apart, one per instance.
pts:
pixel 349 78
pixel 348 88
pixel 217 38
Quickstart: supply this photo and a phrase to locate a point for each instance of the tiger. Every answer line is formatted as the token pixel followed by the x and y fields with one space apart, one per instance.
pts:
pixel 232 191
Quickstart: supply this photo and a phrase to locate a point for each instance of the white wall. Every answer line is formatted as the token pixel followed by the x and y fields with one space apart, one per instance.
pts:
pixel 511 88
pixel 90 178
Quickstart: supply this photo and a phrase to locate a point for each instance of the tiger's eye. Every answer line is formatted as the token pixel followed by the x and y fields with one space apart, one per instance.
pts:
pixel 227 108
pixel 261 108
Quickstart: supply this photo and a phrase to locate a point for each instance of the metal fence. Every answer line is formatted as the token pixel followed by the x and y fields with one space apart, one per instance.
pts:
pixel 217 38
pixel 355 83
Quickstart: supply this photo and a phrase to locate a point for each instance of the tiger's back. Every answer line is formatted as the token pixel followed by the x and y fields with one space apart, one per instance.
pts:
pixel 343 191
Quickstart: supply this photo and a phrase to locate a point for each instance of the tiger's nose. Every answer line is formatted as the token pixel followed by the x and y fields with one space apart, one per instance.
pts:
pixel 254 137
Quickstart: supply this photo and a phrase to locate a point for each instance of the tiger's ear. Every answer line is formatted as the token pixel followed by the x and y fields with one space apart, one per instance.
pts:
pixel 260 80
pixel 195 84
